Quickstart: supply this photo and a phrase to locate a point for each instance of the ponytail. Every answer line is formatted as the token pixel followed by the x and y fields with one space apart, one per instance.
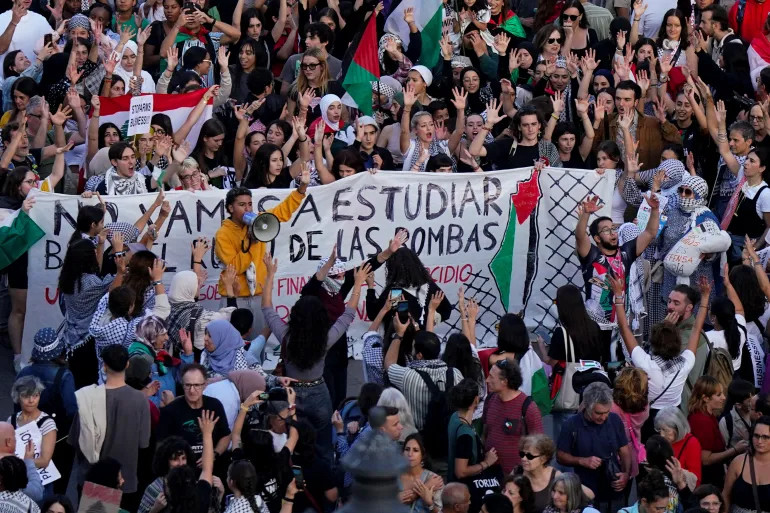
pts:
pixel 87 215
pixel 244 478
pixel 724 311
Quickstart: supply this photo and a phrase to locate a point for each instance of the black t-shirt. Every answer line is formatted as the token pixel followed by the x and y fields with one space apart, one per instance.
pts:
pixel 319 478
pixel 582 351
pixel 179 419
pixel 203 489
pixel 500 155
pixel 576 161
pixel 282 181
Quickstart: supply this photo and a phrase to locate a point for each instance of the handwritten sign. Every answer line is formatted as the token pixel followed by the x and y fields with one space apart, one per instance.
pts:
pixel 140 114
pixel 99 498
pixel 31 432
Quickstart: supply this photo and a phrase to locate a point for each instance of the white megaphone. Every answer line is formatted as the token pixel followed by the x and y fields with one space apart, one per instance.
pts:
pixel 263 227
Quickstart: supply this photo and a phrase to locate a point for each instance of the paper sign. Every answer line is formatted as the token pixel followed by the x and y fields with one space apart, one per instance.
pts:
pixel 643 215
pixel 140 114
pixel 29 432
pixel 98 498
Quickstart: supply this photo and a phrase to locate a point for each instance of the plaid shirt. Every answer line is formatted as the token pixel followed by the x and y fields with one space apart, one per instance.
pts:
pixel 417 394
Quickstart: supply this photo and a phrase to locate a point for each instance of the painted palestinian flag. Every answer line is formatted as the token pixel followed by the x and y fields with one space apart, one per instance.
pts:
pixel 361 68
pixel 428 18
pixel 178 107
pixel 18 232
pixel 514 27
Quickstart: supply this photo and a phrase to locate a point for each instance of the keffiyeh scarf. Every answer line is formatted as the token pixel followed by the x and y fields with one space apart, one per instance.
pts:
pixel 121 186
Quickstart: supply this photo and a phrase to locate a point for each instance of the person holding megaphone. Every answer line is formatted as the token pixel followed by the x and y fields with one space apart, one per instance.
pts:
pixel 240 242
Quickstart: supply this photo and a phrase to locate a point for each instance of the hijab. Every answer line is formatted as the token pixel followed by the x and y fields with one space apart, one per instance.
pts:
pixel 226 341
pixel 326 102
pixel 184 287
pixel 246 382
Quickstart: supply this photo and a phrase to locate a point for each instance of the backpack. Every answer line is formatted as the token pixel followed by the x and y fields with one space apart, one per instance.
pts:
pixel 719 365
pixel 434 431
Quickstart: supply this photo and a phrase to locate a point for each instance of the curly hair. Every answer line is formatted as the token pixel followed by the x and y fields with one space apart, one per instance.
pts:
pixel 404 269
pixel 630 390
pixel 307 334
pixel 170 448
pixel 180 490
pixel 138 278
pixel 705 388
pixel 80 259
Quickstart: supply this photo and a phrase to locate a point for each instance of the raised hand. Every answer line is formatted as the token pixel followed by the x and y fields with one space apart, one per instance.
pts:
pixel 158 268
pixel 436 300
pixel 493 112
pixel 172 58
pixel 691 163
pixel 557 102
pixel 620 39
pixel 223 58
pixel 271 265
pixel 501 43
pixel 62 115
pixel 109 65
pixel 143 36
pixel 581 107
pixel 660 110
pixel 410 97
pixel 721 113
pixel 589 62
pixel 447 50
pixel 643 81
pixel 460 99
pixel 409 15
pixel 591 205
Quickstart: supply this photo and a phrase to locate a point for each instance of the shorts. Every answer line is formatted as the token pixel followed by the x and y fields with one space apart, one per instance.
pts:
pixel 17 273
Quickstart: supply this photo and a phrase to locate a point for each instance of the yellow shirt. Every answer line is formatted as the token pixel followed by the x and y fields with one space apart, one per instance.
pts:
pixel 229 251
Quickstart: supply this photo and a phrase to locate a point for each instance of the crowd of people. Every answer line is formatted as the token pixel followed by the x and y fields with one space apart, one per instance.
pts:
pixel 650 395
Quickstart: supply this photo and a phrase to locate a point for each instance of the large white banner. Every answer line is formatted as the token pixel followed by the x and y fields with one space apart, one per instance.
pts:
pixel 505 236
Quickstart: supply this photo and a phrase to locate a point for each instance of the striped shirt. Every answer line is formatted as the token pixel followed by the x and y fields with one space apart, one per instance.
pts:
pixel 502 420
pixel 417 394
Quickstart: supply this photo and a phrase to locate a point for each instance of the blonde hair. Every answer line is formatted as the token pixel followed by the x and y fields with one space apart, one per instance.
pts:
pixel 704 389
pixel 302 84
pixel 190 163
pixel 630 391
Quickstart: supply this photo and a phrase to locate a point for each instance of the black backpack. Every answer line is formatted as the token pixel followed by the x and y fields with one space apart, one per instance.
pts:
pixel 434 431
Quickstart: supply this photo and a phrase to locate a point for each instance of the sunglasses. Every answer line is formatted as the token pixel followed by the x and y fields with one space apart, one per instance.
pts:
pixel 552 40
pixel 571 17
pixel 528 455
pixel 310 67
pixel 683 191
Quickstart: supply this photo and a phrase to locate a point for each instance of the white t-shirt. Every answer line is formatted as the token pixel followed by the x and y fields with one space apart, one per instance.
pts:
pixel 26 34
pixel 763 203
pixel 717 338
pixel 228 395
pixel 657 381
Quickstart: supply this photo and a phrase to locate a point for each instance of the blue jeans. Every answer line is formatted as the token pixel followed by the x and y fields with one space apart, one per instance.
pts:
pixel 314 404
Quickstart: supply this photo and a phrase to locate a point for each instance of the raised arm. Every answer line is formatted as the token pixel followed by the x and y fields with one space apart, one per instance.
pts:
pixel 756 263
pixel 243 411
pixel 558 107
pixel 409 100
pixel 435 301
pixel 722 139
pixel 476 148
pixel 584 211
pixel 619 291
pixel 651 230
pixel 459 101
pixel 181 134
pixel 280 25
pixel 271 267
pixel 704 287
pixel 206 422
pixel 581 107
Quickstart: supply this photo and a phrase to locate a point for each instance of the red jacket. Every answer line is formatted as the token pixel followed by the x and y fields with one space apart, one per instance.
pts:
pixel 754 17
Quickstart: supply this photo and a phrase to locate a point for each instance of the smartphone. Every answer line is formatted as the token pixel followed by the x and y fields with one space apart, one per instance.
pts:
pixel 47 39
pixel 403 311
pixel 189 8
pixel 264 396
pixel 299 478
pixel 395 294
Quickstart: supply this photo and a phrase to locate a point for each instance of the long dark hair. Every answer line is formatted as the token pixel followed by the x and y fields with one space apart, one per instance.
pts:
pixel 13 181
pixel 458 354
pixel 349 158
pixel 260 166
pixel 746 285
pixel 512 335
pixel 138 278
pixel 211 128
pixel 724 311
pixel 574 317
pixel 306 337
pixel 404 269
pixel 103 128
pixel 684 39
pixel 25 85
pixel 87 215
pixel 163 121
pixel 244 478
pixel 576 5
pixel 79 260
pixel 8 62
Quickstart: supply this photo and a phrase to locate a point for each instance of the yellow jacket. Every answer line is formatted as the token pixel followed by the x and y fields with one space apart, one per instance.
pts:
pixel 228 245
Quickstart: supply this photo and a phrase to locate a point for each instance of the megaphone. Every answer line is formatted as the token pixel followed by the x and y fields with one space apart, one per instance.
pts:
pixel 263 227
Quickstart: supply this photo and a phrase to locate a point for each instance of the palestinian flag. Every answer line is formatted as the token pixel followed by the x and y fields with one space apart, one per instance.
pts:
pixel 18 232
pixel 428 15
pixel 178 107
pixel 514 27
pixel 361 68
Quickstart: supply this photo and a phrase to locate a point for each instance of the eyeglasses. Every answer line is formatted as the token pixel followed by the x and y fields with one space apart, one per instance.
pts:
pixel 184 178
pixel 756 118
pixel 193 386
pixel 528 455
pixel 310 67
pixel 761 438
pixel 684 191
pixel 552 40
pixel 38 116
pixel 571 17
pixel 606 231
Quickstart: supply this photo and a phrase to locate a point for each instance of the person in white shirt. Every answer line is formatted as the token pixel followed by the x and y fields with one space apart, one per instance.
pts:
pixel 20 28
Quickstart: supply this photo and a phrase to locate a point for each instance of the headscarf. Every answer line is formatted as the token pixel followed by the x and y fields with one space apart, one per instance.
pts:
pixel 461 61
pixel 80 21
pixel 184 287
pixel 246 382
pixel 129 231
pixel 368 121
pixel 324 105
pixel 606 74
pixel 119 185
pixel 119 69
pixel 226 341
pixel 477 102
pixel 382 88
pixel 530 48
pixel 393 83
pixel 332 285
pixel 425 73
pixel 384 43
pixel 674 171
pixel 150 328
pixel 701 190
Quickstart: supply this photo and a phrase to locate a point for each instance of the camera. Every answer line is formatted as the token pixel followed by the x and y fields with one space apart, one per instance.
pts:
pixel 257 418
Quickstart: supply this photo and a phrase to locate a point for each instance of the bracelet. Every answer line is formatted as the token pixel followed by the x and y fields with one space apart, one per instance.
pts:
pixel 108 79
pixel 554 116
pixel 120 253
pixel 637 19
pixel 155 283
pixel 286 499
pixel 244 408
pixel 196 262
pixel 302 140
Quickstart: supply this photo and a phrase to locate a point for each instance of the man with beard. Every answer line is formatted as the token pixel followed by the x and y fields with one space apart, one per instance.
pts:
pixel 652 133
pixel 604 259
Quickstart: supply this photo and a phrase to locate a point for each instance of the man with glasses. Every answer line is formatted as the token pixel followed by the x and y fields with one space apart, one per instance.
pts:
pixel 180 417
pixel 606 258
